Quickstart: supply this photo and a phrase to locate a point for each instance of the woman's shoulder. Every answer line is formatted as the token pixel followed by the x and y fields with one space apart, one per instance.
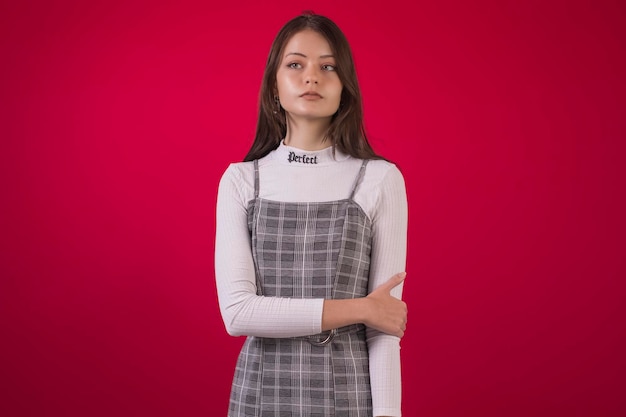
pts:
pixel 240 175
pixel 382 164
pixel 247 168
pixel 381 171
pixel 381 178
pixel 239 169
pixel 238 180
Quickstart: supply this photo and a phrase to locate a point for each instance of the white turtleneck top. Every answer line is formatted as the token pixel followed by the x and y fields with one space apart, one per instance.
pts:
pixel 293 175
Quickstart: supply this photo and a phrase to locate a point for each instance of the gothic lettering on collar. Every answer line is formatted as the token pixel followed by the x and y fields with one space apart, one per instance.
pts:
pixel 303 159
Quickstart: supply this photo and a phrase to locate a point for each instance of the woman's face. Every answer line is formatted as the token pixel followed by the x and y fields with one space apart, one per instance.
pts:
pixel 308 85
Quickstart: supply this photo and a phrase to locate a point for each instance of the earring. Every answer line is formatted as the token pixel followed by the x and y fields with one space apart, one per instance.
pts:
pixel 277 102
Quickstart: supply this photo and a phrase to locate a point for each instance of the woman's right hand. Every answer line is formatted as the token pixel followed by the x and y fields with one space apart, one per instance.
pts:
pixel 386 313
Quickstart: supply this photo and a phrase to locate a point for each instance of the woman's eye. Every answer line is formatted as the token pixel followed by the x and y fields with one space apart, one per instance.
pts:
pixel 294 65
pixel 328 67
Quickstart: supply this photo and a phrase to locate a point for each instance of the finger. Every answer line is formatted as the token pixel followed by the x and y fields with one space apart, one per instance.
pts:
pixel 394 281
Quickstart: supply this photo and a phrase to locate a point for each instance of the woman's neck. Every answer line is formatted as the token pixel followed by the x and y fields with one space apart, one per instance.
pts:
pixel 307 134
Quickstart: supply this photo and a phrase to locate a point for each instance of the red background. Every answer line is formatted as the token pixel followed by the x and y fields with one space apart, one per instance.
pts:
pixel 507 119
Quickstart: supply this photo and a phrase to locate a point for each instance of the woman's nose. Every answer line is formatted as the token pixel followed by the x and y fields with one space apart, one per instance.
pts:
pixel 311 76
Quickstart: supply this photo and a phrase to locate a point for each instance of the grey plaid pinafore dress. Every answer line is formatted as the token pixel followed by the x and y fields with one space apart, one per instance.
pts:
pixel 307 250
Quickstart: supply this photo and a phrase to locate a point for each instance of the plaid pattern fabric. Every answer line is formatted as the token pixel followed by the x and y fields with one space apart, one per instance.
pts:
pixel 306 250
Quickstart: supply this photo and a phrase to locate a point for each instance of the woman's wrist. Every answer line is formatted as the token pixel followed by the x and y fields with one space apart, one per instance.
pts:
pixel 339 313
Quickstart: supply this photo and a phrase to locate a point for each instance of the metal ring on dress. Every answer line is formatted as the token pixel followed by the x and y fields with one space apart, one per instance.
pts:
pixel 324 342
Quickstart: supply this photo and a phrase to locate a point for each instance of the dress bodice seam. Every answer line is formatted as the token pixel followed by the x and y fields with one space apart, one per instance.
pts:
pixel 361 210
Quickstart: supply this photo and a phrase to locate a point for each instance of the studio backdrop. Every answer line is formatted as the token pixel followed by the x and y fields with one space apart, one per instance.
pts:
pixel 118 118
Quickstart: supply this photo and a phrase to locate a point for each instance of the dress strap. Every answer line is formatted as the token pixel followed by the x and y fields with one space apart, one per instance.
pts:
pixel 358 178
pixel 256 179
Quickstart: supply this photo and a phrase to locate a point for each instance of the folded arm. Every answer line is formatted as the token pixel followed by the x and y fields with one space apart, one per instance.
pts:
pixel 246 313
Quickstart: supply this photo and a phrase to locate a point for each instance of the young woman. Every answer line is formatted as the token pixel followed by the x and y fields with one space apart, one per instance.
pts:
pixel 311 229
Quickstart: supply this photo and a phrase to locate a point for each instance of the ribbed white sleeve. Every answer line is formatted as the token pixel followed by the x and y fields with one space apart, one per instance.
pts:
pixel 243 311
pixel 382 196
pixel 388 257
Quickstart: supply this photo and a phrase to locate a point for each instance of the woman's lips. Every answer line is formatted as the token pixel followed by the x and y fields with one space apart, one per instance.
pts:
pixel 311 95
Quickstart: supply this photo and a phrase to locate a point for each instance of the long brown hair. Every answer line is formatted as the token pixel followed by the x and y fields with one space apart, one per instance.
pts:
pixel 346 132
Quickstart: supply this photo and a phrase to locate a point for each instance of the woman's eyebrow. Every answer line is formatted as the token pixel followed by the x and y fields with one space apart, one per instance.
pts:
pixel 304 56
